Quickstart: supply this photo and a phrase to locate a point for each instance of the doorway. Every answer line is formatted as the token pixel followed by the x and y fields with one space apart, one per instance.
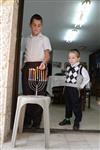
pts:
pixel 17 61
pixel 15 93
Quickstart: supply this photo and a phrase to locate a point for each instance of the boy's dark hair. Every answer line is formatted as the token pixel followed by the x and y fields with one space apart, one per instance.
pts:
pixel 76 51
pixel 37 17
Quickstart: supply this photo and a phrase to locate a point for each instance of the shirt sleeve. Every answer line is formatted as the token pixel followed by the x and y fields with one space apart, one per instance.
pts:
pixel 46 44
pixel 86 78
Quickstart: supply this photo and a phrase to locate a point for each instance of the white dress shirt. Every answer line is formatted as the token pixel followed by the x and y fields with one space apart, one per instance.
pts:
pixel 35 47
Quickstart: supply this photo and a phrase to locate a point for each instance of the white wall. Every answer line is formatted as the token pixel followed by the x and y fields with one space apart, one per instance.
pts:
pixel 61 56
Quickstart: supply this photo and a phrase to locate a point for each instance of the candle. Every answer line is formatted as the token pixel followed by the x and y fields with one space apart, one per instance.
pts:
pixel 43 75
pixel 33 74
pixel 37 72
pixel 29 74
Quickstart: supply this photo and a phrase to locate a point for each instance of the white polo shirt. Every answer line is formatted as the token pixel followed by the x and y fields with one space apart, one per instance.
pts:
pixel 35 47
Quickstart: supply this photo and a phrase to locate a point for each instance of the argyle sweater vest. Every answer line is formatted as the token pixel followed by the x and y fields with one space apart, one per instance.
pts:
pixel 73 76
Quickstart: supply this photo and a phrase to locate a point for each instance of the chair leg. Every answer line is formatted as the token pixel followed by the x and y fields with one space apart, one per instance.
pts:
pixel 16 121
pixel 21 120
pixel 46 125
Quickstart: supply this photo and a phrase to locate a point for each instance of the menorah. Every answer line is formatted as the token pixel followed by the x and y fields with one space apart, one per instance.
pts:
pixel 37 79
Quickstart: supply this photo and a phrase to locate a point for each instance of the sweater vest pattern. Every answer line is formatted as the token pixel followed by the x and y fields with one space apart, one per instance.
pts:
pixel 72 74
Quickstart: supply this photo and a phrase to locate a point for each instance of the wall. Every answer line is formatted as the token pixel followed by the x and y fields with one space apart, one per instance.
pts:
pixel 7 51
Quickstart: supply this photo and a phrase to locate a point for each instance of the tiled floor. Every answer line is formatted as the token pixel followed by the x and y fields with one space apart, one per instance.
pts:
pixel 90 119
pixel 63 141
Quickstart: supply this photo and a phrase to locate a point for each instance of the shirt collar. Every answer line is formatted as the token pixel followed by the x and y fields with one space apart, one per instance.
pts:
pixel 76 64
pixel 39 35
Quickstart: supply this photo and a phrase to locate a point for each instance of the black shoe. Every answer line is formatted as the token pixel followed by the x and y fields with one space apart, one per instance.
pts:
pixel 64 122
pixel 76 126
pixel 28 126
pixel 36 126
pixel 32 125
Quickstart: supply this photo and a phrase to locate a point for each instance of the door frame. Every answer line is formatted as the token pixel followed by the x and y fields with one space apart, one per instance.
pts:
pixel 17 61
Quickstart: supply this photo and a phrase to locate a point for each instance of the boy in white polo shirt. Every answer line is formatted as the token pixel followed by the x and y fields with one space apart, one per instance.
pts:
pixel 37 53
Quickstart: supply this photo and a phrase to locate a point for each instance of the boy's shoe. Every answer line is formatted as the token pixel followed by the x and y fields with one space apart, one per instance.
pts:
pixel 32 124
pixel 76 126
pixel 64 122
pixel 28 126
pixel 36 126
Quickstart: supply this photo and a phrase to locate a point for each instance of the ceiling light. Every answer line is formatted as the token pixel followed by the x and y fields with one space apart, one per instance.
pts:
pixel 71 35
pixel 86 1
pixel 84 8
pixel 83 12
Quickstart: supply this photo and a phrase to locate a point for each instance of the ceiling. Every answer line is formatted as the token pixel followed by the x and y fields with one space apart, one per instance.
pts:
pixel 58 16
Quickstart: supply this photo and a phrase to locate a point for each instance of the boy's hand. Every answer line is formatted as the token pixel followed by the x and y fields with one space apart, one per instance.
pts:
pixel 42 66
pixel 81 87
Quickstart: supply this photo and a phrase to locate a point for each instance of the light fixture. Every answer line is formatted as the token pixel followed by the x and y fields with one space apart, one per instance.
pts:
pixel 86 1
pixel 71 35
pixel 83 12
pixel 84 8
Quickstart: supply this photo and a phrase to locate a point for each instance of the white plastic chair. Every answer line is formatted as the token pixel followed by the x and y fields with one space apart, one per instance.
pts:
pixel 44 102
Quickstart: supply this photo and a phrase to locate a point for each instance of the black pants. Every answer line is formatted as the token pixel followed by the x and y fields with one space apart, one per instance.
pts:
pixel 33 111
pixel 73 103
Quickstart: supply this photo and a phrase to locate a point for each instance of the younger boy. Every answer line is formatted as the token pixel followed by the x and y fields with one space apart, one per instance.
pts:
pixel 76 78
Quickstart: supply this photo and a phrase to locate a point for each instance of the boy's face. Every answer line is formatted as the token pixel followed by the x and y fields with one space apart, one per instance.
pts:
pixel 73 58
pixel 36 27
